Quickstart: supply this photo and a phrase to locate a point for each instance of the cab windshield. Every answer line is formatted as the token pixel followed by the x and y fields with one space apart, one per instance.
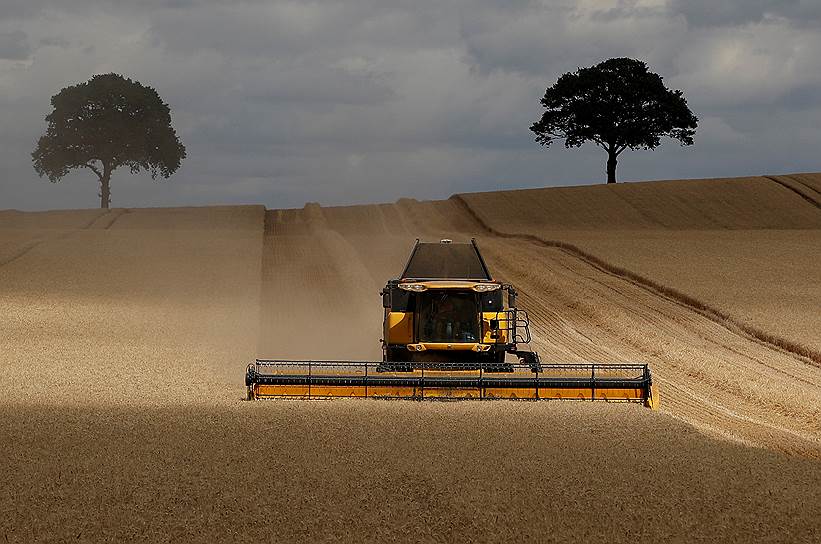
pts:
pixel 448 316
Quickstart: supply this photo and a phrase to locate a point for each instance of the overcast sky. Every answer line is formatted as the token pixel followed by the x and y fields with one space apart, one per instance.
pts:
pixel 346 101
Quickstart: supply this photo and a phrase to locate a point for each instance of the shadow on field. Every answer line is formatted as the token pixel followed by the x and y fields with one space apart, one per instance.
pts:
pixel 380 470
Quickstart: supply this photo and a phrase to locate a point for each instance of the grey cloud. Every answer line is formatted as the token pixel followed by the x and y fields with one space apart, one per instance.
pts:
pixel 560 37
pixel 316 85
pixel 803 97
pixel 14 45
pixel 627 10
pixel 708 13
pixel 55 41
pixel 20 9
pixel 292 29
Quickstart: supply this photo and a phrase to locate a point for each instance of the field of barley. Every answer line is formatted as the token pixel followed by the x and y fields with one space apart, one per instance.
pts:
pixel 125 335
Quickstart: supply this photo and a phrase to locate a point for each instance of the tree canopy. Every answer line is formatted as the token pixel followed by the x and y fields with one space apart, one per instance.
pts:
pixel 617 104
pixel 103 124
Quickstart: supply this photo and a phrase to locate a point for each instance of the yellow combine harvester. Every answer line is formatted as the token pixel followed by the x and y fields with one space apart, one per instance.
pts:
pixel 450 332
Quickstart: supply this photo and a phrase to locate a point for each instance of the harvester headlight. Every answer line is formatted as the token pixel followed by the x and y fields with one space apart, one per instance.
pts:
pixel 415 287
pixel 485 287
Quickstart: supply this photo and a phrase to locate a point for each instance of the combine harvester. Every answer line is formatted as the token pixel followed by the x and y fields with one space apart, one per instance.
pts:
pixel 450 333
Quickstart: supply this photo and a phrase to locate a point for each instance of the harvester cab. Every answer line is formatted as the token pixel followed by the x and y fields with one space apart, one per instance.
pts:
pixel 446 309
pixel 451 331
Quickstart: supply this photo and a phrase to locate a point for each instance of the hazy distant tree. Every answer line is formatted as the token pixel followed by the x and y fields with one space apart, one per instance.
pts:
pixel 618 104
pixel 103 124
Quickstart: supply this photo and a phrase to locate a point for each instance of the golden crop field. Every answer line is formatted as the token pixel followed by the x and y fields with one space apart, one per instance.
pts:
pixel 125 336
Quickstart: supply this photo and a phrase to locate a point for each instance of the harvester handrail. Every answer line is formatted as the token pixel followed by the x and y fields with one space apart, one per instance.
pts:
pixel 517 321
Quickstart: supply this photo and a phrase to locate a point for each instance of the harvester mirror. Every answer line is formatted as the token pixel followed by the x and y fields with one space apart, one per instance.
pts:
pixel 386 299
pixel 511 298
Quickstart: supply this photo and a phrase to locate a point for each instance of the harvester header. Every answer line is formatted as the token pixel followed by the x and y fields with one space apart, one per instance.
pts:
pixel 451 331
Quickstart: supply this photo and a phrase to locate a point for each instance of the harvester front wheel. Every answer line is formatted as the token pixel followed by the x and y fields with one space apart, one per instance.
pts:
pixel 395 354
pixel 496 363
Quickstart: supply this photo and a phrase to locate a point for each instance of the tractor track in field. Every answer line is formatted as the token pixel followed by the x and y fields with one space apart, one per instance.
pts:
pixel 22 251
pixel 38 241
pixel 656 314
pixel 710 376
pixel 812 189
pixel 807 193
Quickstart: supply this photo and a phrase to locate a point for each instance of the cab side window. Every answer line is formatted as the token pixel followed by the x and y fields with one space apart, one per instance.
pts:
pixel 492 301
pixel 401 300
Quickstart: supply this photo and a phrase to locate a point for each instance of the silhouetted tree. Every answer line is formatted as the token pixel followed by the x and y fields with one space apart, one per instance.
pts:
pixel 103 124
pixel 618 104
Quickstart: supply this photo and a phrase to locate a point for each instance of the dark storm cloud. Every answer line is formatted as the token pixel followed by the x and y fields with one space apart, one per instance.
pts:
pixel 339 101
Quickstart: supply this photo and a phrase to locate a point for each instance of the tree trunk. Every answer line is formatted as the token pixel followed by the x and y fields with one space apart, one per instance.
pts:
pixel 612 160
pixel 105 188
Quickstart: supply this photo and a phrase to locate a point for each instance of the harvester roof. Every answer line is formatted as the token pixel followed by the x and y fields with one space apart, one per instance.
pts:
pixel 446 260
